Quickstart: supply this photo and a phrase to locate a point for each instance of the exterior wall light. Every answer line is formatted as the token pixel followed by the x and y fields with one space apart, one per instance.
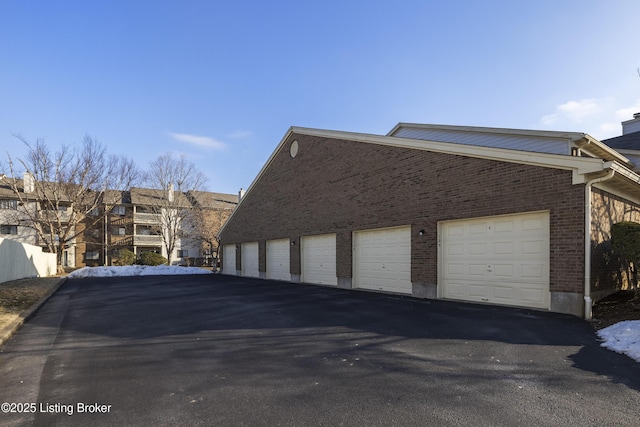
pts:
pixel 421 233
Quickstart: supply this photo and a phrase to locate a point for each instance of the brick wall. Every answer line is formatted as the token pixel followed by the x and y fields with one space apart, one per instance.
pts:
pixel 336 186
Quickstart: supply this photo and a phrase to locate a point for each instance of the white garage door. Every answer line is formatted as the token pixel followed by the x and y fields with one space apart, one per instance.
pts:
pixel 502 259
pixel 278 261
pixel 319 259
pixel 382 259
pixel 229 259
pixel 250 266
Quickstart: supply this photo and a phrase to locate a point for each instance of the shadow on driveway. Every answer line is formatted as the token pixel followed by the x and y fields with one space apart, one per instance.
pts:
pixel 132 308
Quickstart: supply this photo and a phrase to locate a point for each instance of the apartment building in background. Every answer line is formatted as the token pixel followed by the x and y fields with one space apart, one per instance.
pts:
pixel 133 223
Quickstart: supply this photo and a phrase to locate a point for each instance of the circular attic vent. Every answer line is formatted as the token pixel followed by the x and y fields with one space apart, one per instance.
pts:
pixel 293 150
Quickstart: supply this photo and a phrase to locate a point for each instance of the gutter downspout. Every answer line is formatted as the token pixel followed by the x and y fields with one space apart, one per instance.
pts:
pixel 588 302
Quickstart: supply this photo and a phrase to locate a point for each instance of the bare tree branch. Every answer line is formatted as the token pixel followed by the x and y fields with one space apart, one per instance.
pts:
pixel 59 190
pixel 170 178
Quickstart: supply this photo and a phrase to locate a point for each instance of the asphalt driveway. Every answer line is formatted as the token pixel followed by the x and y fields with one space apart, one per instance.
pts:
pixel 218 350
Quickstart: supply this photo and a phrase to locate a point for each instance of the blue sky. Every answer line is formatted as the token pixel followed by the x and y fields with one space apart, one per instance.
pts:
pixel 223 81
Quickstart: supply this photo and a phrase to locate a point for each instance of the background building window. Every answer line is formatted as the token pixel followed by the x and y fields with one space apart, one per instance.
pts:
pixel 118 210
pixel 183 253
pixel 92 255
pixel 119 231
pixel 8 204
pixel 8 229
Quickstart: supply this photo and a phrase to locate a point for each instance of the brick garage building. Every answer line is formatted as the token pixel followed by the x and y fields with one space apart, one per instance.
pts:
pixel 477 214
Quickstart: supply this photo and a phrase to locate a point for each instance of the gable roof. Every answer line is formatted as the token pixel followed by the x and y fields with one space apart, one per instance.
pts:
pixel 153 197
pixel 541 141
pixel 207 200
pixel 583 168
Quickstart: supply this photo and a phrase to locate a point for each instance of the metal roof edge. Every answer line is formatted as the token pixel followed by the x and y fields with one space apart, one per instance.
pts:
pixel 560 161
pixel 483 129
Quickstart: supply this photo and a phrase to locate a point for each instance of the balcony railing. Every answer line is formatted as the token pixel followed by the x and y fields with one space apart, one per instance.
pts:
pixel 152 240
pixel 122 241
pixel 146 218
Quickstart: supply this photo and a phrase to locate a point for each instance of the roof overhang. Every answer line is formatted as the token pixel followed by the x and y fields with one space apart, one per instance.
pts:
pixel 598 149
pixel 580 165
pixel 582 168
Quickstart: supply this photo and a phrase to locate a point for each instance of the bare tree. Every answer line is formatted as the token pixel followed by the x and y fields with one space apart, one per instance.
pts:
pixel 61 190
pixel 170 178
pixel 210 213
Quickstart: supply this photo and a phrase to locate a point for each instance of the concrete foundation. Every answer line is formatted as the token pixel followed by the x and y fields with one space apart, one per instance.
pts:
pixel 345 283
pixel 569 303
pixel 424 290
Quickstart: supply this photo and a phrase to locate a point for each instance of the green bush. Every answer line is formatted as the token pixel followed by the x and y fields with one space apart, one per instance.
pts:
pixel 625 238
pixel 152 258
pixel 125 257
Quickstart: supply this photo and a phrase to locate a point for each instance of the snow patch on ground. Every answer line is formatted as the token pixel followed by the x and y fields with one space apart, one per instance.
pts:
pixel 623 337
pixel 136 270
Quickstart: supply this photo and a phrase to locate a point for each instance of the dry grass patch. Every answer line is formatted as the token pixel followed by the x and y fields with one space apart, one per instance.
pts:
pixel 17 296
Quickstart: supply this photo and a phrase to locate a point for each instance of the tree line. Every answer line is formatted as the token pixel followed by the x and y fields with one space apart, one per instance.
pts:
pixel 68 186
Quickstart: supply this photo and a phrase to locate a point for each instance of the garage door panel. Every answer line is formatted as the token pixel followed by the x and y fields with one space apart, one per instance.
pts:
pixel 250 263
pixel 278 259
pixel 456 249
pixel 479 248
pixel 503 248
pixel 319 259
pixel 514 267
pixel 503 226
pixel 477 290
pixel 503 293
pixel 229 259
pixel 534 296
pixel 457 290
pixel 454 230
pixel 533 224
pixel 477 228
pixel 533 247
pixel 504 271
pixel 382 260
pixel 477 270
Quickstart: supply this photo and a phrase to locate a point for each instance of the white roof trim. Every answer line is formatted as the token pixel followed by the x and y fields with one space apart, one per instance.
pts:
pixel 581 140
pixel 502 131
pixel 580 166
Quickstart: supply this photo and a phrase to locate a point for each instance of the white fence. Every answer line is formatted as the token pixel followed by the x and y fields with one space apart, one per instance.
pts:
pixel 20 260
